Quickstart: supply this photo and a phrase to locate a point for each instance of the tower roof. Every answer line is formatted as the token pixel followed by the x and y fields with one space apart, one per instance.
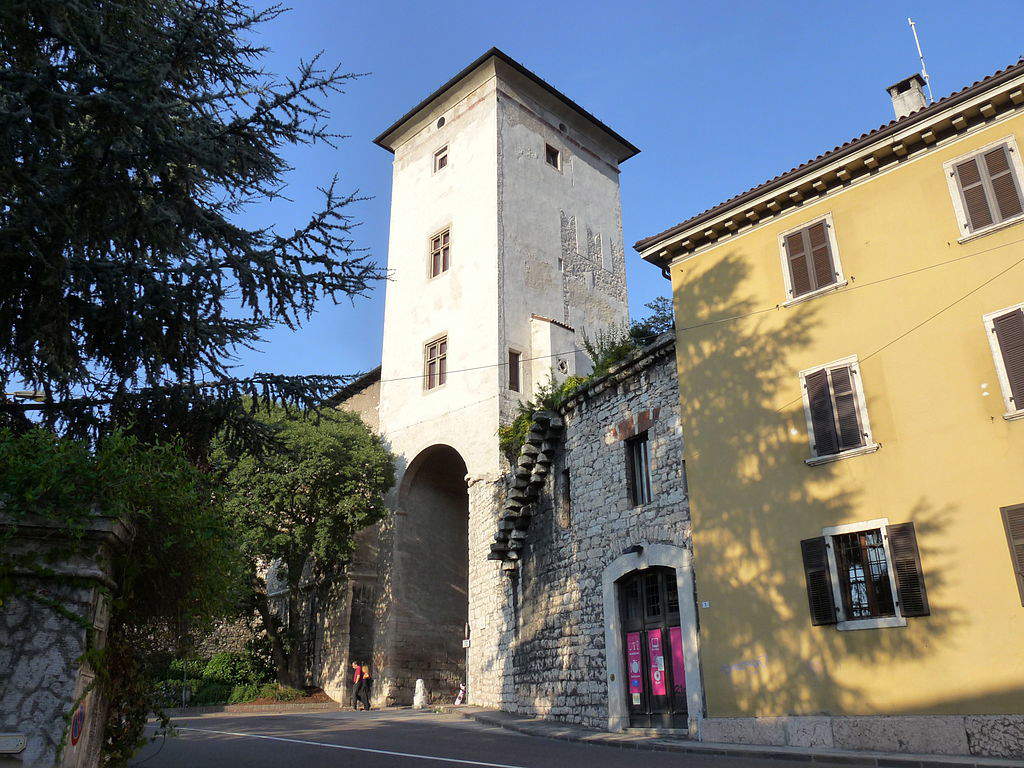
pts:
pixel 627 149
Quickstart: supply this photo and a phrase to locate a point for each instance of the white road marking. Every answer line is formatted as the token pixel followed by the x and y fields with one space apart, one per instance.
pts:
pixel 353 749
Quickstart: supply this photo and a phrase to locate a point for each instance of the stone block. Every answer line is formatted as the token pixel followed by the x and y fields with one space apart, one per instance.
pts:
pixel 809 732
pixel 995 735
pixel 928 734
pixel 745 730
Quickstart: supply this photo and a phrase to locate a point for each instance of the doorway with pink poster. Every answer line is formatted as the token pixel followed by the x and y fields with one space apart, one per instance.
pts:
pixel 656 676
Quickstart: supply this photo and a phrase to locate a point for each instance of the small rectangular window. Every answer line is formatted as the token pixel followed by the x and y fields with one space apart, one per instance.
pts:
pixel 513 370
pixel 564 510
pixel 552 156
pixel 441 159
pixel 440 252
pixel 988 187
pixel 811 263
pixel 435 363
pixel 638 469
pixel 835 408
pixel 1006 336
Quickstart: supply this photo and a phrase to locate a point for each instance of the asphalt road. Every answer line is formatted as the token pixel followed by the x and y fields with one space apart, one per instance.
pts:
pixel 392 739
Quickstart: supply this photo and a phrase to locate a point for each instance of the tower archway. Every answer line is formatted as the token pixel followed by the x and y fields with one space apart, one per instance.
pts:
pixel 432 559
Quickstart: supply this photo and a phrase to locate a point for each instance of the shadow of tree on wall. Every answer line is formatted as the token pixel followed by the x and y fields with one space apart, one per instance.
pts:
pixel 752 501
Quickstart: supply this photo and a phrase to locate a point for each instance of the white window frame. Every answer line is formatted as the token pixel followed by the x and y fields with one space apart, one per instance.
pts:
pixel 870 446
pixel 441 151
pixel 880 622
pixel 830 229
pixel 558 166
pixel 1012 412
pixel 948 168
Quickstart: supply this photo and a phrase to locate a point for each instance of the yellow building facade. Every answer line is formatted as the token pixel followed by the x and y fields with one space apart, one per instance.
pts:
pixel 848 355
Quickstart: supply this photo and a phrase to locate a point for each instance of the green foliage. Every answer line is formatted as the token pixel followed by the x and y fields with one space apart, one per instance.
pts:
pixel 137 139
pixel 210 693
pixel 606 349
pixel 181 567
pixel 300 507
pixel 243 693
pixel 549 397
pixel 237 669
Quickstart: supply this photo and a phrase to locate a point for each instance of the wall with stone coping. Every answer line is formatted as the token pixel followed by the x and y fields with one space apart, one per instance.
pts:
pixel 552 626
pixel 980 735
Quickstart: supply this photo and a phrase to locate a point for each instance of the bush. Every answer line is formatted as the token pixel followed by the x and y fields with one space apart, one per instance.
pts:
pixel 241 694
pixel 210 693
pixel 511 436
pixel 237 669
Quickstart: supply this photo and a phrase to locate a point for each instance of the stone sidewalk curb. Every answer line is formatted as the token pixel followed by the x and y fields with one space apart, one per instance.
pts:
pixel 282 708
pixel 548 729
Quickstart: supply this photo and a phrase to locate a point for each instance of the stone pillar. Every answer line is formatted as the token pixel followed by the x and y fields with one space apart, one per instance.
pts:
pixel 56 612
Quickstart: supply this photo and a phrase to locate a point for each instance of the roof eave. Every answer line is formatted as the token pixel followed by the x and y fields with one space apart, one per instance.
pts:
pixel 381 141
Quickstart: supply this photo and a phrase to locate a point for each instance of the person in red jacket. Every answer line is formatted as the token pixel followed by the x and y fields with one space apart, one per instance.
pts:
pixel 362 680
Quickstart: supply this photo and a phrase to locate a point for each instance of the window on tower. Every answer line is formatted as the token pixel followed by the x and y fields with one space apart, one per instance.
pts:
pixel 513 370
pixel 435 363
pixel 441 159
pixel 440 252
pixel 552 156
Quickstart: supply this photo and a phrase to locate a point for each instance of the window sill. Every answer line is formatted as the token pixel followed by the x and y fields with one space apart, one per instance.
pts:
pixel 880 623
pixel 1013 415
pixel 990 229
pixel 815 294
pixel 864 449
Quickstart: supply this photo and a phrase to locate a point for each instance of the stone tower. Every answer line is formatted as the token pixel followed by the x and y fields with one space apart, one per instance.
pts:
pixel 505 245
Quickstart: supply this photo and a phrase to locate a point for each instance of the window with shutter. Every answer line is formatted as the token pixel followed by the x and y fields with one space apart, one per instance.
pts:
pixel 987 187
pixel 810 259
pixel 820 601
pixel 906 565
pixel 874 573
pixel 1006 329
pixel 836 411
pixel 1013 522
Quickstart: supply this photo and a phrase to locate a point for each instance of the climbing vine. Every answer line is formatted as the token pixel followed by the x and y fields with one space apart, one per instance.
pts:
pixel 177 569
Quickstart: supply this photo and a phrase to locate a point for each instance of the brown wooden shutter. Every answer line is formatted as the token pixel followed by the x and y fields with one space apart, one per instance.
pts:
pixel 972 189
pixel 1013 522
pixel 820 599
pixel 906 565
pixel 821 255
pixel 799 275
pixel 826 441
pixel 1005 189
pixel 847 420
pixel 1010 334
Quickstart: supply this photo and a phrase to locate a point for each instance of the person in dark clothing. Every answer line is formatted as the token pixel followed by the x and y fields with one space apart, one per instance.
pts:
pixel 363 683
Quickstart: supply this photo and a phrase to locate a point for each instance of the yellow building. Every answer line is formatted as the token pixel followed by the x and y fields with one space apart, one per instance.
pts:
pixel 850 343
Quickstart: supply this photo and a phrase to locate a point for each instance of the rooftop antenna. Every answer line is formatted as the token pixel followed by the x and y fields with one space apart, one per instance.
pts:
pixel 920 55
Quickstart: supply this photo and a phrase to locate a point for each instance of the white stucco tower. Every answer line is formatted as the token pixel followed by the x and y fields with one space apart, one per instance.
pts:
pixel 505 245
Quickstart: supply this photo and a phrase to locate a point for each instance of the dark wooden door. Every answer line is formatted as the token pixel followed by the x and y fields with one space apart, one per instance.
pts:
pixel 652 639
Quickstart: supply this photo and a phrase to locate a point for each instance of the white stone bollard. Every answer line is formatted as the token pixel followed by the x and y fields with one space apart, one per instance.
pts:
pixel 419 698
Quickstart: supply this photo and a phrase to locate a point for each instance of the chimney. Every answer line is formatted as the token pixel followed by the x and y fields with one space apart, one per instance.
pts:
pixel 908 95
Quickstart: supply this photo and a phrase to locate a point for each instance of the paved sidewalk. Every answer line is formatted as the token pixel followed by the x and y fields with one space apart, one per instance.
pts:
pixel 554 730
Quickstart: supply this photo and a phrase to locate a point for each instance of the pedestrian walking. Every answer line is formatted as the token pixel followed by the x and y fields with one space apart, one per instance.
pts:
pixel 363 682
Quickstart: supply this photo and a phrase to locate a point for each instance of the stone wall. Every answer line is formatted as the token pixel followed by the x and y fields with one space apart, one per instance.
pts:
pixel 48 622
pixel 548 614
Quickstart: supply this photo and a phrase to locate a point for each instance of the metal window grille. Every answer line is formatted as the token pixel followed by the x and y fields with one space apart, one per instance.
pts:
pixel 436 362
pixel 864 574
pixel 652 594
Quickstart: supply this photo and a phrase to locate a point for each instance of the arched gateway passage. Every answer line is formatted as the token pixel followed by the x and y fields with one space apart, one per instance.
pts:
pixel 432 554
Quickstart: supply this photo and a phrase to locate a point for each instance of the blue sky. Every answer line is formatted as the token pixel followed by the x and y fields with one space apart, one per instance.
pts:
pixel 719 96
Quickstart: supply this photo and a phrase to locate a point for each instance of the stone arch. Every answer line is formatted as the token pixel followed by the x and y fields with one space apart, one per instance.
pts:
pixel 431 580
pixel 638 558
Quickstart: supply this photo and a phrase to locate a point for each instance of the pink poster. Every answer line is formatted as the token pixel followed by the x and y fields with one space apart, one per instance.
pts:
pixel 634 663
pixel 675 640
pixel 656 653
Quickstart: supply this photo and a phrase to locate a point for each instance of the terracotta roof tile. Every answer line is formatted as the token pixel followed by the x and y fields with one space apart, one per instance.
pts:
pixel 912 117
